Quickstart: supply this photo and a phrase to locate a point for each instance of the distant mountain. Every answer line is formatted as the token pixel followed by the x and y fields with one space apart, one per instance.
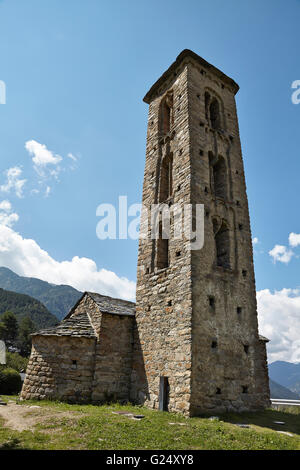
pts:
pixel 286 374
pixel 24 306
pixel 278 391
pixel 58 299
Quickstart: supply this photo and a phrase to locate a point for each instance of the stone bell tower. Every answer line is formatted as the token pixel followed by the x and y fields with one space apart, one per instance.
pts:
pixel 196 346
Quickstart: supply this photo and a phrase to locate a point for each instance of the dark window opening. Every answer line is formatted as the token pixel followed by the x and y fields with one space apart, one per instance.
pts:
pixel 218 391
pixel 246 348
pixel 166 113
pixel 164 393
pixel 178 253
pixel 179 187
pixel 244 389
pixel 214 113
pixel 237 203
pixel 214 344
pixel 206 190
pixel 222 241
pixel 166 178
pixel 244 273
pixel 207 213
pixel 219 179
pixel 211 301
pixel 241 226
pixel 201 153
pixel 169 303
pixel 74 364
pixel 239 310
pixel 162 250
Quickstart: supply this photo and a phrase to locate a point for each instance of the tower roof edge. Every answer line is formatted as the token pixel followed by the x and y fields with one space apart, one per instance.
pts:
pixel 187 53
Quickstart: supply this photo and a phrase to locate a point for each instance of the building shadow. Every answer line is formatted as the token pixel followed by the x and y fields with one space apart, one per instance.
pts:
pixel 270 419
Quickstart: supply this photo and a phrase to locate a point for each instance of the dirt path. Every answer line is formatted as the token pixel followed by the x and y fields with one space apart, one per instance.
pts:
pixel 25 417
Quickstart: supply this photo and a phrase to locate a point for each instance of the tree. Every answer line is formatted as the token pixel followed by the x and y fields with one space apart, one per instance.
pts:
pixel 9 327
pixel 26 327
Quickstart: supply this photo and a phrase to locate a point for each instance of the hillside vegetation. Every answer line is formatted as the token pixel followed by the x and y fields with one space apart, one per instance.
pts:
pixel 25 306
pixel 58 299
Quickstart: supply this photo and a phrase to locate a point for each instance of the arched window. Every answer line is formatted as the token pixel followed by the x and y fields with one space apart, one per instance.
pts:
pixel 218 176
pixel 214 114
pixel 222 240
pixel 162 250
pixel 166 178
pixel 166 113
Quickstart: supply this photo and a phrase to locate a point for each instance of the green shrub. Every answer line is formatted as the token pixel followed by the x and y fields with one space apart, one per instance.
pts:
pixel 10 382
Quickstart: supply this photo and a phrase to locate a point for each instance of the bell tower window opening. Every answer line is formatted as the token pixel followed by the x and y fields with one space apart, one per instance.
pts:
pixel 166 113
pixel 166 178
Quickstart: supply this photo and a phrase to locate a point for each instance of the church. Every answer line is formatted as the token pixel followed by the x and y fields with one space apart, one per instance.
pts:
pixel 190 344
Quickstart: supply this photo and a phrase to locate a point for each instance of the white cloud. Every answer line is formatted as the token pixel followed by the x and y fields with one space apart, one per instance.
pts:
pixel 25 257
pixel 294 239
pixel 48 190
pixel 5 206
pixel 7 217
pixel 281 253
pixel 279 320
pixel 13 181
pixel 255 241
pixel 72 157
pixel 41 155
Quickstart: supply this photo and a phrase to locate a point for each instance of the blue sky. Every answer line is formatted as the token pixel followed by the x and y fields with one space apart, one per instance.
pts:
pixel 76 72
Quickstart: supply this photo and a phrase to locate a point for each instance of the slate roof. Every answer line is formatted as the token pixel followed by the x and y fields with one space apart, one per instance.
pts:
pixel 263 338
pixel 77 325
pixel 80 324
pixel 113 306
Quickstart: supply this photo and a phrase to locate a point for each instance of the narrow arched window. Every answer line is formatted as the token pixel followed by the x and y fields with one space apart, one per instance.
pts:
pixel 166 178
pixel 214 114
pixel 166 113
pixel 218 176
pixel 162 249
pixel 222 241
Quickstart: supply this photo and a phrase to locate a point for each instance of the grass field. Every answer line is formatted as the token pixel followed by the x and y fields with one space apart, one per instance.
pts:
pixel 55 425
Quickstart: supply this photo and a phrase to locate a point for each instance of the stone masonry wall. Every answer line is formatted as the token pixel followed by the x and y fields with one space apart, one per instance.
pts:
pixel 227 376
pixel 113 360
pixel 51 372
pixel 162 341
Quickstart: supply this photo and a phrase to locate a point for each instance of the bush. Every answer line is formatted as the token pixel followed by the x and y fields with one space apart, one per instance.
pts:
pixel 10 382
pixel 15 361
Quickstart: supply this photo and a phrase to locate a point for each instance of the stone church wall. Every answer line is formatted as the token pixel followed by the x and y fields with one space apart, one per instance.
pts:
pixel 60 367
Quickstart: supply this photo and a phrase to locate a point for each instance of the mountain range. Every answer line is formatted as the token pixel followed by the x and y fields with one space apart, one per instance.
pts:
pixel 58 299
pixel 278 391
pixel 286 374
pixel 25 306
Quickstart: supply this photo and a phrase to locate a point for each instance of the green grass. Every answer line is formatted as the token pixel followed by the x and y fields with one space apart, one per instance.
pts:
pixel 97 427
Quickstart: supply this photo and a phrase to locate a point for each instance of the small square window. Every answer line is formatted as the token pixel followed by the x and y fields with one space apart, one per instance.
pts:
pixel 74 364
pixel 201 153
pixel 244 273
pixel 241 226
pixel 246 348
pixel 218 391
pixel 239 310
pixel 244 389
pixel 169 303
pixel 214 344
pixel 211 301
pixel 178 253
